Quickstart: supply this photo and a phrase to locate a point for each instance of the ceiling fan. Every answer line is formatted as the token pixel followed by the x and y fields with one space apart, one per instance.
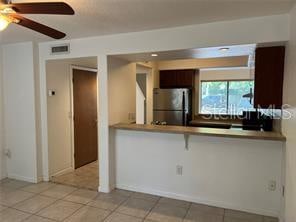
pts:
pixel 10 13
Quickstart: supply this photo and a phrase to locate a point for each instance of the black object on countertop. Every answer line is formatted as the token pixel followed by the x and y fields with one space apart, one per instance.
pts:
pixel 217 125
pixel 267 123
pixel 252 120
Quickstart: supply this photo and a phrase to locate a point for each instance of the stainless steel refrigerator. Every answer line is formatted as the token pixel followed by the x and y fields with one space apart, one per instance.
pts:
pixel 172 106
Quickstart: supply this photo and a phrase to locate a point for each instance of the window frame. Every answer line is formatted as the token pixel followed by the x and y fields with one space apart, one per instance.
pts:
pixel 227 93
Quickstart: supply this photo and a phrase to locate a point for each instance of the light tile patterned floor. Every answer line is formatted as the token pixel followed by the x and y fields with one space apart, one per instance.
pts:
pixel 49 202
pixel 86 177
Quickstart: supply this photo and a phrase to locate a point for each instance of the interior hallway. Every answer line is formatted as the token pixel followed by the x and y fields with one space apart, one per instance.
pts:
pixel 86 177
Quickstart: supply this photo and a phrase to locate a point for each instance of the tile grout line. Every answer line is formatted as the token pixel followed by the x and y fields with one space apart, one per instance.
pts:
pixel 87 167
pixel 127 197
pixel 35 194
pixel 187 211
pixel 152 209
pixel 36 213
pixel 119 205
pixel 36 184
pixel 40 194
pixel 83 205
pixel 63 199
pixel 129 214
pixel 114 210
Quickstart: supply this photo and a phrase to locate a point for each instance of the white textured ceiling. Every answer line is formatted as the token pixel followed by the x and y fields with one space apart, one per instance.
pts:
pixel 102 17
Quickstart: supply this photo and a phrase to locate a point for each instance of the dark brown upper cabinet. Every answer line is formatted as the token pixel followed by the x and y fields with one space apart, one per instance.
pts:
pixel 177 78
pixel 269 75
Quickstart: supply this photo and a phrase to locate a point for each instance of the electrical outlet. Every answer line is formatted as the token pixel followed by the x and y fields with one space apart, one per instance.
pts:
pixel 272 185
pixel 179 170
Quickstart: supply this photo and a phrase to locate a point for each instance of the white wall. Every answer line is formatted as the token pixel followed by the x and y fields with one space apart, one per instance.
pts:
pixel 224 172
pixel 121 91
pixel 226 74
pixel 239 61
pixel 38 111
pixel 289 126
pixel 19 111
pixel 2 157
pixel 59 112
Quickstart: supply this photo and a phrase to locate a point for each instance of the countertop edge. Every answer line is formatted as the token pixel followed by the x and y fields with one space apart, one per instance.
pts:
pixel 226 133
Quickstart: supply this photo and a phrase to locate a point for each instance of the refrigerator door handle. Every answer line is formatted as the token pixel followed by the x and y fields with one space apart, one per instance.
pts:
pixel 186 118
pixel 183 110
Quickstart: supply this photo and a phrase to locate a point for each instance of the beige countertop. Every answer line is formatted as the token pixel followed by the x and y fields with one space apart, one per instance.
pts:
pixel 231 133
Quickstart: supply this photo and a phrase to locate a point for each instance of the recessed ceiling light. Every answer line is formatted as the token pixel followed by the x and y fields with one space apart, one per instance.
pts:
pixel 154 55
pixel 224 49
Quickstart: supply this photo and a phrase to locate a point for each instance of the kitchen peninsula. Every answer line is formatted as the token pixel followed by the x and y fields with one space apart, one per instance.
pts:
pixel 234 162
pixel 220 167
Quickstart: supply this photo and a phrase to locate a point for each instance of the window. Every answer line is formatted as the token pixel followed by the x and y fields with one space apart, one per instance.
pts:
pixel 226 97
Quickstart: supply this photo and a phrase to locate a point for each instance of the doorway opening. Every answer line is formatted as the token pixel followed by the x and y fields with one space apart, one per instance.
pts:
pixel 141 98
pixel 72 105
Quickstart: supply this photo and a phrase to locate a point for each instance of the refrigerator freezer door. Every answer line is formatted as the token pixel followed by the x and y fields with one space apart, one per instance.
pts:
pixel 170 117
pixel 169 99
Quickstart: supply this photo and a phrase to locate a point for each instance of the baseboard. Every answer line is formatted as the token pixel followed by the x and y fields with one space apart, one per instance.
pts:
pixel 3 176
pixel 61 172
pixel 198 200
pixel 40 179
pixel 100 189
pixel 22 178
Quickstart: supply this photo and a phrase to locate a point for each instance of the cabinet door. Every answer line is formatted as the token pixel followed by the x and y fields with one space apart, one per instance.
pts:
pixel 269 70
pixel 167 79
pixel 185 78
pixel 177 78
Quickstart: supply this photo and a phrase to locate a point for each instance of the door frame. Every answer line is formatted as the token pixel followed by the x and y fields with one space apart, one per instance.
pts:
pixel 71 112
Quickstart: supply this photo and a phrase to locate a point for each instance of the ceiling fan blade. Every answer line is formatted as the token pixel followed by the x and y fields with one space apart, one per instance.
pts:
pixel 53 33
pixel 54 8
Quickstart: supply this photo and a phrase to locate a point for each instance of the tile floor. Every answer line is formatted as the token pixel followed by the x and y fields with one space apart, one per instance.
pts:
pixel 49 202
pixel 86 177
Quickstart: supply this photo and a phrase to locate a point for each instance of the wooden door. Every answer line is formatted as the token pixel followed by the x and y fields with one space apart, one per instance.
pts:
pixel 85 117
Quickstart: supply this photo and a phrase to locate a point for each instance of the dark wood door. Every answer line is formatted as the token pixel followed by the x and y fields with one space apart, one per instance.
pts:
pixel 269 73
pixel 85 117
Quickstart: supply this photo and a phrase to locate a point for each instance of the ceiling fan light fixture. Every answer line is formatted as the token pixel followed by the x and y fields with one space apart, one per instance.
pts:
pixel 4 22
pixel 7 11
